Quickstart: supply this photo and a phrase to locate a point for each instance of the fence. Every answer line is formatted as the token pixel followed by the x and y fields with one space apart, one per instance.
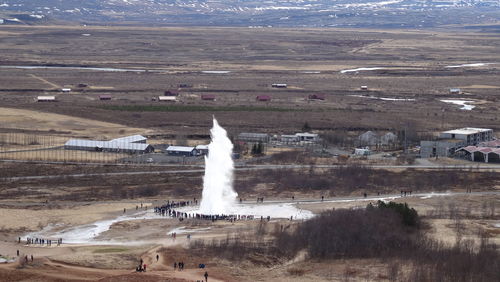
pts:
pixel 50 148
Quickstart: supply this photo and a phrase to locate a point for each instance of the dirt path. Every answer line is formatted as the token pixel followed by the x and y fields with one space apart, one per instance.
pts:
pixel 161 265
pixel 45 81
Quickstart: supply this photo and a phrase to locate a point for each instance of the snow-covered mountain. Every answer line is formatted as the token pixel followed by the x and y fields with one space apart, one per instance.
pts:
pixel 394 13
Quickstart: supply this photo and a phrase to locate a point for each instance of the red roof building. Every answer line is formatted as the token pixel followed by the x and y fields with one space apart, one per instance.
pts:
pixel 263 98
pixel 208 97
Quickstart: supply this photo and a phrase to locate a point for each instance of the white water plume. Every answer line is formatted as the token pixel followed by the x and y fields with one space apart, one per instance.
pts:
pixel 218 195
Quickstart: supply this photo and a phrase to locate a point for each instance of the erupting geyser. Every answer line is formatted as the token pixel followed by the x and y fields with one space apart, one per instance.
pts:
pixel 218 195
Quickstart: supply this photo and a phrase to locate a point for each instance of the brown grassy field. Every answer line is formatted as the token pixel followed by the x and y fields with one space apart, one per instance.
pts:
pixel 308 60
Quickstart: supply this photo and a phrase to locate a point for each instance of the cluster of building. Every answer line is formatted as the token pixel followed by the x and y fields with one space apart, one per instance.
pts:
pixel 297 138
pixel 475 144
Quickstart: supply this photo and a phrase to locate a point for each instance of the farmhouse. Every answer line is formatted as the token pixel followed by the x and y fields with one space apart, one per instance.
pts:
pixel 279 85
pixel 208 97
pixel 181 151
pixel 263 98
pixel 46 99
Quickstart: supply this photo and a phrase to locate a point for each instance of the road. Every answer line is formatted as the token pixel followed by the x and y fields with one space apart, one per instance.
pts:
pixel 251 168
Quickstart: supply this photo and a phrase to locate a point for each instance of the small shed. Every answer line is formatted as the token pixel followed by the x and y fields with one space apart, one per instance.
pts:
pixel 362 152
pixel 455 91
pixel 46 99
pixel 181 151
pixel 66 90
pixel 208 97
pixel 263 98
pixel 317 97
pixel 279 85
pixel 202 149
pixel 364 87
pixel 105 97
pixel 167 98
pixel 174 93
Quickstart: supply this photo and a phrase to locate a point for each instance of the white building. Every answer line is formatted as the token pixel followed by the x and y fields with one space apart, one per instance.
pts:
pixel 167 98
pixel 46 99
pixel 470 135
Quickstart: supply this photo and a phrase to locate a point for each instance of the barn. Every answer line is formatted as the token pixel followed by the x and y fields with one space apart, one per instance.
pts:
pixel 108 146
pixel 181 151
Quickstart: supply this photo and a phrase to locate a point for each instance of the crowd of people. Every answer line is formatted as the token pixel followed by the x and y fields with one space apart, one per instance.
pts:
pixel 41 241
pixel 168 209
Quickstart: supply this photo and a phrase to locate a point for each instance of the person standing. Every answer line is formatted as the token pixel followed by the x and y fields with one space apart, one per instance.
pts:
pixel 206 276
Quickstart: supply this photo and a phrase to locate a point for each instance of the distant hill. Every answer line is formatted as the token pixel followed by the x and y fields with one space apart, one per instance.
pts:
pixel 256 13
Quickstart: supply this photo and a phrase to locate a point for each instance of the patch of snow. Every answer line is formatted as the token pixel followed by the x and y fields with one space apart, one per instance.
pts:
pixel 37 16
pixel 470 65
pixel 216 72
pixel 361 69
pixel 4 5
pixel 384 98
pixel 184 230
pixel 463 103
